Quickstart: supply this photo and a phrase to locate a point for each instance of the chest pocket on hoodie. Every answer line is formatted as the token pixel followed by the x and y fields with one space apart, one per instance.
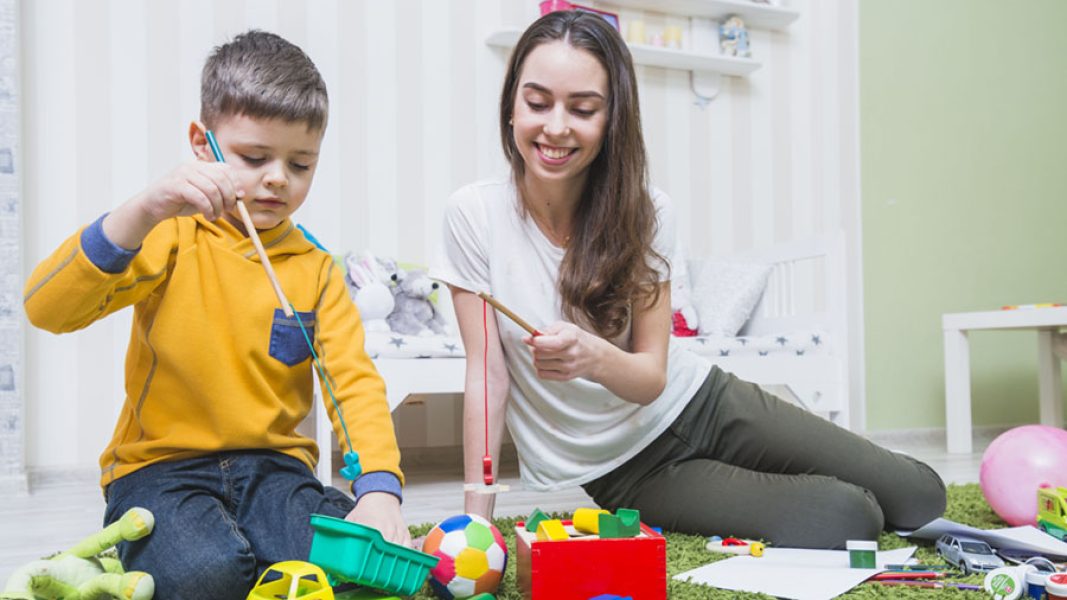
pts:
pixel 287 342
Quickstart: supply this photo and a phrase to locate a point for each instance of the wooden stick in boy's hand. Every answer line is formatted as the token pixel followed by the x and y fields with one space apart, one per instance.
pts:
pixel 251 228
pixel 507 313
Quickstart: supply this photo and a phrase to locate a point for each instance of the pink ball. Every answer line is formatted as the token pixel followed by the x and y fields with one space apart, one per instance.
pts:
pixel 1016 464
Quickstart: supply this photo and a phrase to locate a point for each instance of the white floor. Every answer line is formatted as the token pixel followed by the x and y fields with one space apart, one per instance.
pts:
pixel 55 516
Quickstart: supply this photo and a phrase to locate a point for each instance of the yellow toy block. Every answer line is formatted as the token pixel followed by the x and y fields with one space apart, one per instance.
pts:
pixel 586 520
pixel 551 530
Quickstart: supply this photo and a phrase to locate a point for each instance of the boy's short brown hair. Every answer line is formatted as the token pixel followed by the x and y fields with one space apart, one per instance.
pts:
pixel 262 75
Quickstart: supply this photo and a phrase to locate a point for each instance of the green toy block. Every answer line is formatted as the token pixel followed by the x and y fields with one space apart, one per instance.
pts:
pixel 535 519
pixel 625 523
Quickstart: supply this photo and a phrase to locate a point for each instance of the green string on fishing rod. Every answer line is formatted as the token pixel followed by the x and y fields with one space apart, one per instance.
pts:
pixel 352 468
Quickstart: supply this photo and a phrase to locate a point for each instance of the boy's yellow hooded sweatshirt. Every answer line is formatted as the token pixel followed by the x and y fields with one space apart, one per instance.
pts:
pixel 213 364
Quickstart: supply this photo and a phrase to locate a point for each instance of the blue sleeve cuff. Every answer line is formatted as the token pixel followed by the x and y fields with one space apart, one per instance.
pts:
pixel 378 481
pixel 105 254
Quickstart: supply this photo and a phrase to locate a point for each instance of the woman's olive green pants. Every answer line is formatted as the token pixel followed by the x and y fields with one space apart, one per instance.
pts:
pixel 741 462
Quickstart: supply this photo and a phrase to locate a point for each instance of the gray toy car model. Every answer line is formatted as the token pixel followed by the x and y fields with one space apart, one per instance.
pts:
pixel 967 554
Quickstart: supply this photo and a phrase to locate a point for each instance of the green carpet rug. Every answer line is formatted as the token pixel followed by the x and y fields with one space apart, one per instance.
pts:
pixel 684 552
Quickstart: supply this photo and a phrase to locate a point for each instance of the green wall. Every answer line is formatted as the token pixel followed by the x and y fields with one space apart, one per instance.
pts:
pixel 963 121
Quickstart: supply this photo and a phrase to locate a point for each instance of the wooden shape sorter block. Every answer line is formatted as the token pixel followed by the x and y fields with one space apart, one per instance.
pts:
pixel 585 566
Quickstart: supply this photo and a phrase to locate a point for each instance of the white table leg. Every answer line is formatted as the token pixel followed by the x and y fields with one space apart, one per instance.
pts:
pixel 1050 385
pixel 324 438
pixel 957 392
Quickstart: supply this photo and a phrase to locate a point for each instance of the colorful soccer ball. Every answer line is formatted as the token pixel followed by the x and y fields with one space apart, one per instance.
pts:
pixel 473 556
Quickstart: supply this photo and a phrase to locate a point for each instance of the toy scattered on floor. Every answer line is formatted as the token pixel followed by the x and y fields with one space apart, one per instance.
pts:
pixel 551 529
pixel 352 553
pixel 732 545
pixel 587 520
pixel 79 574
pixel 625 523
pixel 1052 511
pixel 733 38
pixel 472 553
pixel 292 580
pixel 1018 462
pixel 535 519
pixel 967 554
pixel 415 313
pixel 584 566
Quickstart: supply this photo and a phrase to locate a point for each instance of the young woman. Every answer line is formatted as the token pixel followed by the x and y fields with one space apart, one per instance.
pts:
pixel 577 243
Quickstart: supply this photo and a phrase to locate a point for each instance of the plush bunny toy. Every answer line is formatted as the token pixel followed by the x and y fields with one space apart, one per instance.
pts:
pixel 368 281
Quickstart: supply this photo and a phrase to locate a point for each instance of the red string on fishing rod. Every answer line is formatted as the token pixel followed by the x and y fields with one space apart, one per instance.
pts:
pixel 487 460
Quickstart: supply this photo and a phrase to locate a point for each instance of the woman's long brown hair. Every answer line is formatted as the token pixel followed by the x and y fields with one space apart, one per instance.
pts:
pixel 607 267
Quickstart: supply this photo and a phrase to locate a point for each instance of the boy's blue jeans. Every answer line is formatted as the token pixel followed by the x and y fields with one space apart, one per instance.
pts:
pixel 221 520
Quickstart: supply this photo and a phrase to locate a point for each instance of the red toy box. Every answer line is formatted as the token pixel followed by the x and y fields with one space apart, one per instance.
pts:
pixel 585 566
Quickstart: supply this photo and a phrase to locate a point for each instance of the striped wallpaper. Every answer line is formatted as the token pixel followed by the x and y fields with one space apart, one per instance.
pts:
pixel 110 87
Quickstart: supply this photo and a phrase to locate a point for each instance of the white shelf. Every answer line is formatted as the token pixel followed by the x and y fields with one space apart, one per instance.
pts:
pixel 755 15
pixel 655 56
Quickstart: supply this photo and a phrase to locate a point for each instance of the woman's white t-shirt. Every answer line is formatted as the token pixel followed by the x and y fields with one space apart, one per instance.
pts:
pixel 566 432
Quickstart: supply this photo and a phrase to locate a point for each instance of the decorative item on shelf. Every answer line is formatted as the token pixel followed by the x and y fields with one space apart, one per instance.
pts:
pixel 733 38
pixel 548 6
pixel 672 37
pixel 610 17
pixel 635 32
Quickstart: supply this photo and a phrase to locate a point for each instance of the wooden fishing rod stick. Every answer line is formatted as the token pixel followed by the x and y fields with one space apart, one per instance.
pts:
pixel 251 229
pixel 507 313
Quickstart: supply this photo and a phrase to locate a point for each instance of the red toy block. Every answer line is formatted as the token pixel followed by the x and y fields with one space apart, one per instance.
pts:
pixel 585 566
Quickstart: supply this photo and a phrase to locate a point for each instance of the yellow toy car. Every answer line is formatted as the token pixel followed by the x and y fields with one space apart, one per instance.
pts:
pixel 292 580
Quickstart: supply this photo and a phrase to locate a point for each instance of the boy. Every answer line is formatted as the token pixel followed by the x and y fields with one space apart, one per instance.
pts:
pixel 217 377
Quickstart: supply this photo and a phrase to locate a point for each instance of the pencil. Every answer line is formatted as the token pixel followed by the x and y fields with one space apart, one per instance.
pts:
pixel 247 220
pixel 916 567
pixel 507 313
pixel 908 575
pixel 933 585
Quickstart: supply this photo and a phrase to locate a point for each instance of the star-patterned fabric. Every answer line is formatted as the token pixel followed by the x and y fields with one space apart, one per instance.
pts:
pixel 797 343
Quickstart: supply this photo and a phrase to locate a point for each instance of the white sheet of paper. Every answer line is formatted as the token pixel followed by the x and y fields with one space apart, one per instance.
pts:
pixel 792 572
pixel 1025 537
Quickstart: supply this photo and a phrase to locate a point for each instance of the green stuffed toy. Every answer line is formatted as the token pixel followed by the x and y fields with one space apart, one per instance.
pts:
pixel 79 574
